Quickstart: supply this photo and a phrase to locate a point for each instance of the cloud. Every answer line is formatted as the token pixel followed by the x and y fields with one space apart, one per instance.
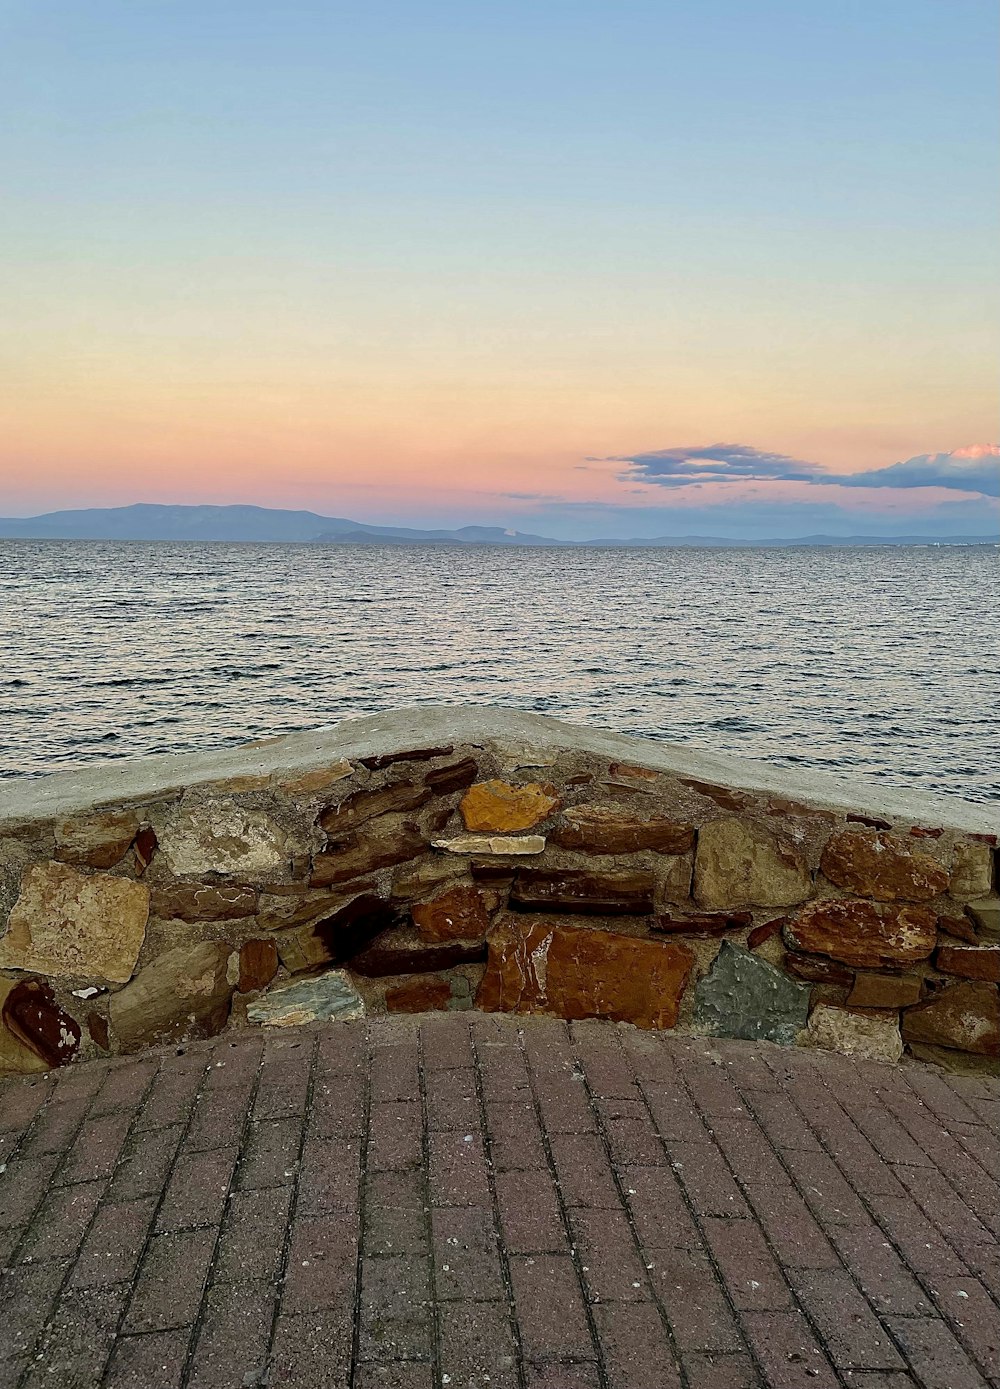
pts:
pixel 974 469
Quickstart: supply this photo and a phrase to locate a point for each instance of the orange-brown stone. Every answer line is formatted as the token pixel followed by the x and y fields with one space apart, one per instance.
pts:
pixel 497 807
pixel 597 829
pixel 620 892
pixel 459 914
pixel 186 901
pixel 970 961
pixel 701 923
pixel 884 990
pixel 31 1014
pixel 960 927
pixel 817 970
pixel 874 863
pixel 571 972
pixel 96 841
pixel 765 931
pixel 424 993
pixel 965 1017
pixel 258 964
pixel 367 805
pixel 865 934
pixel 354 857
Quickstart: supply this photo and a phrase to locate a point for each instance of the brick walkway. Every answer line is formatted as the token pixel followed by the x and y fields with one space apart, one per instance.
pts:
pixel 540 1206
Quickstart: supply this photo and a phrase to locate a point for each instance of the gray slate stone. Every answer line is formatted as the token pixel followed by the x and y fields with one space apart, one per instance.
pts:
pixel 330 997
pixel 743 996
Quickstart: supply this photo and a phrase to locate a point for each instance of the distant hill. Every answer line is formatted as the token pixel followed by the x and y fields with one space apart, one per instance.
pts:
pixel 261 524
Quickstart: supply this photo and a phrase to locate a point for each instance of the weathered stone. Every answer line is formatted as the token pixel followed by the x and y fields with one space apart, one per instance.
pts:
pixel 145 847
pixel 356 857
pixel 871 820
pixel 317 779
pixel 429 993
pixel 258 965
pixel 400 951
pixel 633 773
pixel 426 875
pixel 278 911
pixel 765 931
pixel 744 996
pixel 961 1063
pixel 100 1035
pixel 187 901
pixel 222 837
pixel 964 1016
pixel 865 934
pixel 960 927
pixel 517 845
pixel 497 807
pixel 96 841
pixel 386 759
pixel 741 864
pixel 722 796
pixel 331 997
pixel 15 1057
pixel 872 1036
pixel 367 805
pixel 873 863
pixel 67 924
pixel 818 970
pixel 972 871
pixel 597 829
pixel 673 878
pixel 701 923
pixel 456 776
pixel 924 832
pixel 31 1014
pixel 456 915
pixel 986 914
pixel 336 937
pixel 970 961
pixel 626 891
pixel 183 994
pixel 884 990
pixel 572 972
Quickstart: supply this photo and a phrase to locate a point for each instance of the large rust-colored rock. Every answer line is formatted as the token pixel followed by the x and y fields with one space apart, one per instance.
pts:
pixel 187 901
pixel 96 841
pixel 597 829
pixel 884 990
pixel 970 961
pixel 357 856
pixel 874 863
pixel 571 972
pixel 972 871
pixel 459 914
pixel 335 938
pixel 183 994
pixel 258 965
pixel 367 805
pixel 741 864
pixel 31 1014
pixel 429 993
pixel 497 807
pixel 865 934
pixel 621 892
pixel 964 1016
pixel 71 925
pixel 220 836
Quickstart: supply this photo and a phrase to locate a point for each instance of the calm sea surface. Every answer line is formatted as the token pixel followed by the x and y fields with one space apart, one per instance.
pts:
pixel 882 662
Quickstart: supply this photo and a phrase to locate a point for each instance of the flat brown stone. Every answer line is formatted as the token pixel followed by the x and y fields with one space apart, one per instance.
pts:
pixel 701 923
pixel 964 1016
pixel 597 829
pixel 367 805
pixel 186 901
pixel 427 993
pixel 960 927
pixel 258 964
pixel 279 911
pixel 316 779
pixel 873 863
pixel 619 892
pixel 455 776
pixel 424 876
pixel 884 990
pixel 497 807
pixel 865 934
pixel 765 931
pixel 741 864
pixel 96 841
pixel 74 925
pixel 722 796
pixel 355 856
pixel 459 914
pixel 817 970
pixel 970 961
pixel 399 951
pixel 572 972
pixel 336 937
pixel 31 1014
pixel 387 759
pixel 182 995
pixel 98 1027
pixel 872 820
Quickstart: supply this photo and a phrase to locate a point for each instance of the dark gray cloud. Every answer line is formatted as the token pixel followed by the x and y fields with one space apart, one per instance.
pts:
pixel 965 470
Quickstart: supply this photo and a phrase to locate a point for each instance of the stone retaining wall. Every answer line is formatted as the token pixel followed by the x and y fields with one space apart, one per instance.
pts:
pixel 442 859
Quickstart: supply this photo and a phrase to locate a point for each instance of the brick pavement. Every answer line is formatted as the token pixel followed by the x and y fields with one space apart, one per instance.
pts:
pixel 498 1203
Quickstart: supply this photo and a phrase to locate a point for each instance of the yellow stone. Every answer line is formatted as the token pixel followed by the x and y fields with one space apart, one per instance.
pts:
pixel 497 806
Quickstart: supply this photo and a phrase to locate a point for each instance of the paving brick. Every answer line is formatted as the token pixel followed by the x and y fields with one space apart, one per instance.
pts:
pixel 686 1287
pixel 674 1112
pixel 253 1235
pixel 466 1255
pixel 95 1149
pixel 852 1334
pixel 550 1308
pixel 707 1180
pixel 124 1087
pixel 658 1208
pixel 452 1099
pixel 919 1242
pixel 312 1348
pixel 753 1279
pixel 708 1371
pixel 515 1138
pixel 583 1171
pixel 395 1074
pixel 631 1135
pixel 885 1280
pixel 787 1350
pixel 567 1376
pixel 635 1347
pixel 780 1119
pixel 338 1108
pixel 77 1342
pixel 114 1244
pixel 529 1213
pixel 283 1085
pixel 196 1193
pixel 232 1343
pixel 145 1164
pixel 943 1206
pixel 54 1128
pixel 269 1155
pixel 329 1173
pixel 171 1280
pixel 140 1362
pixel 477 1345
pixel 20 1101
pixel 396 1135
pixel 395 1309
pixel 612 1268
pixel 503 1074
pixel 395 1215
pixel 607 1066
pixel 931 1347
pixel 61 1222
pixel 747 1151
pixel 973 1316
pixel 446 1043
pixel 458 1172
pixel 22 1187
pixel 827 1192
pixel 564 1107
pixel 170 1099
pixel 217 1118
pixel 793 1234
pixel 27 1294
pixel 322 1263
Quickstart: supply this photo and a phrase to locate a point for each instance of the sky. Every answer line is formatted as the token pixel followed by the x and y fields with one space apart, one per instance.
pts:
pixel 583 269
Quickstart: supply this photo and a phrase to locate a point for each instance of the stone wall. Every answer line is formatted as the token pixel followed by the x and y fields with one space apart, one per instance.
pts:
pixel 441 859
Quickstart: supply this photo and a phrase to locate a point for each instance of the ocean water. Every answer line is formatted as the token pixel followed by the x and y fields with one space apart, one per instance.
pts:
pixel 880 662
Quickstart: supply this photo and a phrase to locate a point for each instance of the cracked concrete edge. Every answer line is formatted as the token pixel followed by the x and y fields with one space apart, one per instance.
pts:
pixel 132 781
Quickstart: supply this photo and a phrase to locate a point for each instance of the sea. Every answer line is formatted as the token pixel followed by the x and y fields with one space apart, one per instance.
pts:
pixel 880 662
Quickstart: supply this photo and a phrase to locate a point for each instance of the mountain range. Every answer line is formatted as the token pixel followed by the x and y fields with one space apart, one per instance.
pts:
pixel 148 521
